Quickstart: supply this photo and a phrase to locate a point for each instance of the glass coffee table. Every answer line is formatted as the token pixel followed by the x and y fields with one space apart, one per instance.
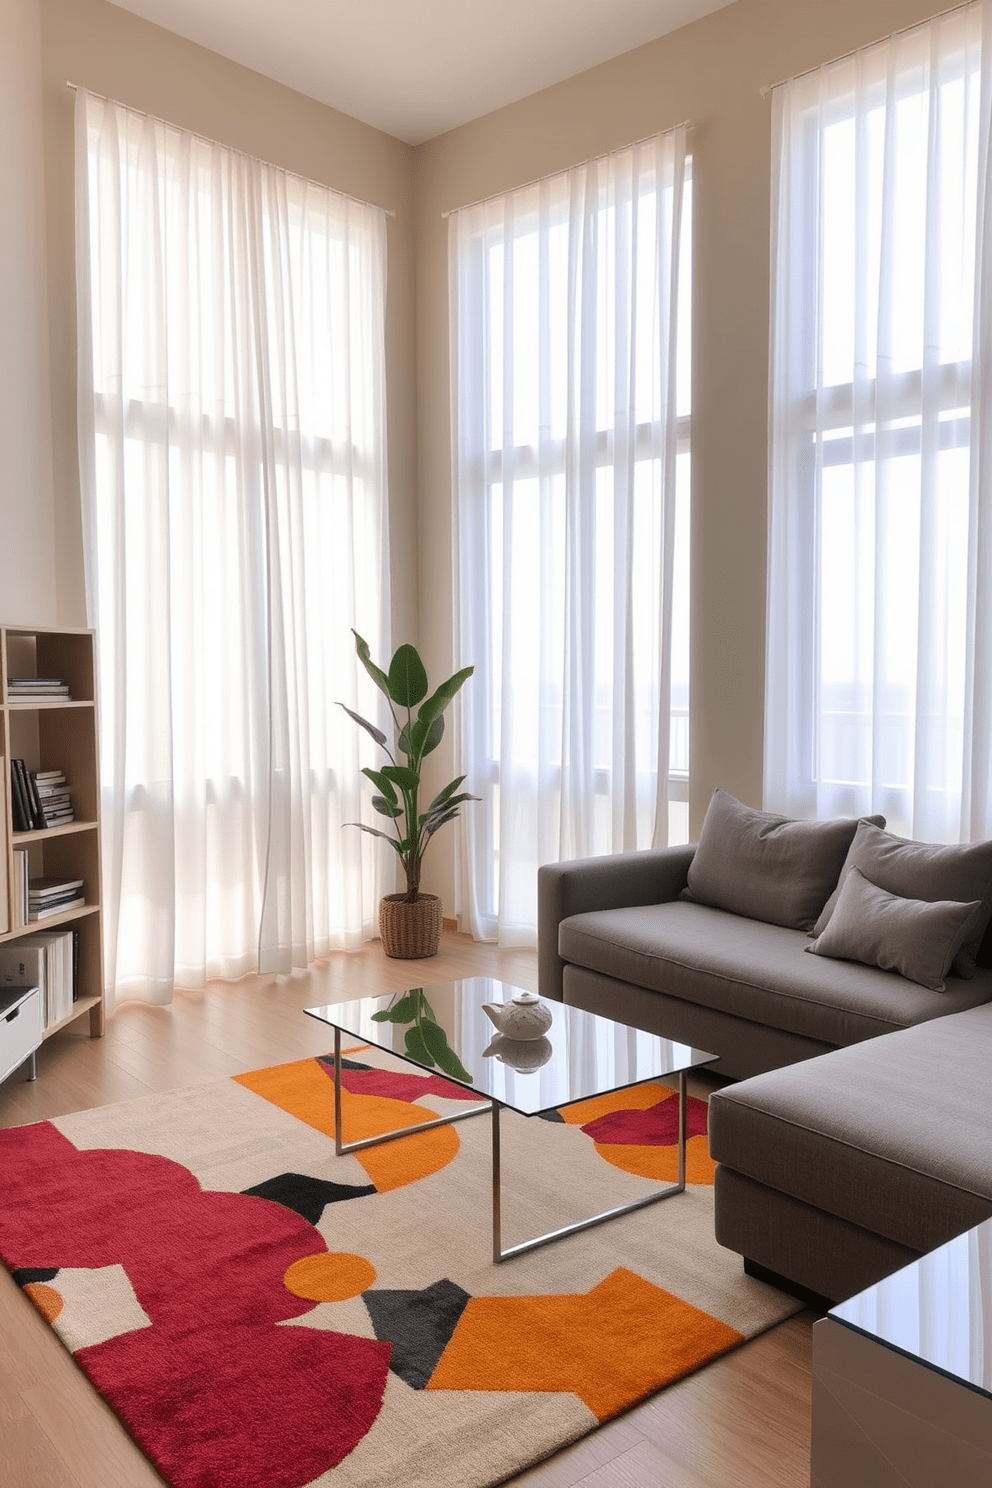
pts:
pixel 443 1028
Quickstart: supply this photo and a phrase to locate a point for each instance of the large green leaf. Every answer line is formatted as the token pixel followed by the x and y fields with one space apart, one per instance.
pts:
pixel 439 700
pixel 443 795
pixel 435 734
pixel 374 832
pixel 407 677
pixel 382 782
pixel 402 775
pixel 386 808
pixel 421 738
pixel 446 805
pixel 369 728
pixel 365 657
pixel 437 819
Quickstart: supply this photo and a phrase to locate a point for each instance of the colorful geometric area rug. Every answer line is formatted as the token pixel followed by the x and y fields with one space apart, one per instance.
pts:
pixel 262 1314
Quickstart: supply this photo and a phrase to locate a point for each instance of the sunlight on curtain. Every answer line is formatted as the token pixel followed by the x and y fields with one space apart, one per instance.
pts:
pixel 569 303
pixel 877 499
pixel 231 441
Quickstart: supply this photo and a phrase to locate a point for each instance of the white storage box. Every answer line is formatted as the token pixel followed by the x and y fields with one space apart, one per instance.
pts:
pixel 20 1026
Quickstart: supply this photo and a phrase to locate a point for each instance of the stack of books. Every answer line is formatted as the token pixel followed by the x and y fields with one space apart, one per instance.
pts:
pixel 37 690
pixel 49 961
pixel 39 798
pixel 54 797
pixel 53 896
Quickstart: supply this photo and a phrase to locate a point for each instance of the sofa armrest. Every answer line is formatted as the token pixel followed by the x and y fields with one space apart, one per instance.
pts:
pixel 611 882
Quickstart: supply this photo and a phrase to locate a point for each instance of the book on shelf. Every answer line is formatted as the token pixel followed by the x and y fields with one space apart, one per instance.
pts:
pixel 20 815
pixel 33 797
pixel 29 814
pixel 19 886
pixel 37 689
pixel 52 888
pixel 48 911
pixel 53 896
pixel 40 798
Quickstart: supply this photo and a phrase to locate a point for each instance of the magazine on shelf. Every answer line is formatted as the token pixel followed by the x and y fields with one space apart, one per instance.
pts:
pixel 52 888
pixel 44 689
pixel 47 911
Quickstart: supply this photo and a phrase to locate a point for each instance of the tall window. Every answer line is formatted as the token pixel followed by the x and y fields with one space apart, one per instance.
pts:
pixel 232 465
pixel 877 695
pixel 570 304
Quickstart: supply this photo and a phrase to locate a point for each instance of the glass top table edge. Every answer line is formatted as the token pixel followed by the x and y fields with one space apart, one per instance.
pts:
pixel 923 1294
pixel 534 1092
pixel 907 1353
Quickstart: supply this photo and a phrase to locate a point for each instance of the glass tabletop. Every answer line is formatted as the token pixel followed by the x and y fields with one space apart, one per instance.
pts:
pixel 581 1055
pixel 937 1310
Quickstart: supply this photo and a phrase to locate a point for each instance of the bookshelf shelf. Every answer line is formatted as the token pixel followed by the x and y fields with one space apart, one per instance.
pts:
pixel 48 734
pixel 63 705
pixel 23 839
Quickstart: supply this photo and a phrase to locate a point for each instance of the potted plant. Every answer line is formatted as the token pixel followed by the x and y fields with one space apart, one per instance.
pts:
pixel 410 922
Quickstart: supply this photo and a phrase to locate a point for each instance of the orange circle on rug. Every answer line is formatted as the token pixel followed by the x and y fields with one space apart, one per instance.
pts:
pixel 331 1276
pixel 48 1301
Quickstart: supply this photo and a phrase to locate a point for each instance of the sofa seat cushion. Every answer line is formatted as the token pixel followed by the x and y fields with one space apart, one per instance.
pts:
pixel 892 1135
pixel 755 971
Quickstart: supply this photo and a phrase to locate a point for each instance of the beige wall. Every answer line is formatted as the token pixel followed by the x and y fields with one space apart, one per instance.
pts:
pixel 27 522
pixel 710 73
pixel 115 53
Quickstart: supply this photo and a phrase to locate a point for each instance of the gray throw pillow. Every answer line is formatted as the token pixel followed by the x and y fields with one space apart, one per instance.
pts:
pixel 923 870
pixel 767 867
pixel 918 938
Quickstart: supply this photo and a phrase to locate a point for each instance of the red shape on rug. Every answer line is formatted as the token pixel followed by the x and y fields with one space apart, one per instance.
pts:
pixel 214 1390
pixel 395 1085
pixel 658 1126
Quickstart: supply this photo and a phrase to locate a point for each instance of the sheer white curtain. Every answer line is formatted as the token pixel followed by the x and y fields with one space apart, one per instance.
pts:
pixel 231 445
pixel 879 674
pixel 569 375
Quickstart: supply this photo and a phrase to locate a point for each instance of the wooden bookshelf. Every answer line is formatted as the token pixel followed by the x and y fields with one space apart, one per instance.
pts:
pixel 57 733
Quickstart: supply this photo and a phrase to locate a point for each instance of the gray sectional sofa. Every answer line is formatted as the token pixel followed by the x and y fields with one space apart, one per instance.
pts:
pixel 861 1135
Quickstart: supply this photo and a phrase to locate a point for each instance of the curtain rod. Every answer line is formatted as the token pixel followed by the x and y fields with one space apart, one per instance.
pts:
pixel 389 211
pixel 685 124
pixel 769 88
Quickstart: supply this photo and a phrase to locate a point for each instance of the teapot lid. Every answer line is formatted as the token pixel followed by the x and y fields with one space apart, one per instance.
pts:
pixel 526 998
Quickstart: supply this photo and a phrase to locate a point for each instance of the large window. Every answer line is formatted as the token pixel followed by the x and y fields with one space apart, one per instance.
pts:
pixel 232 463
pixel 570 304
pixel 873 693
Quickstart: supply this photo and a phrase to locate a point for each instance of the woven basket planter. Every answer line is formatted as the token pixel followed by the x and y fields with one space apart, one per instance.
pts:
pixel 409 932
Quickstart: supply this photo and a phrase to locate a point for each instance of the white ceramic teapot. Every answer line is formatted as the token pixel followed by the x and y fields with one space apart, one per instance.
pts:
pixel 526 1017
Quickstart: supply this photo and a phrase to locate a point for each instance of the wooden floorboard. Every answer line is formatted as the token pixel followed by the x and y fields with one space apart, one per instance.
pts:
pixel 743 1422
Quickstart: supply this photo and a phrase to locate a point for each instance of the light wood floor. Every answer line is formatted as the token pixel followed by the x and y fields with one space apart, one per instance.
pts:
pixel 741 1423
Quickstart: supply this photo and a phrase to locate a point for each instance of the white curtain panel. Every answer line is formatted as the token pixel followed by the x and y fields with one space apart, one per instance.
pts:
pixel 232 460
pixel 564 306
pixel 878 693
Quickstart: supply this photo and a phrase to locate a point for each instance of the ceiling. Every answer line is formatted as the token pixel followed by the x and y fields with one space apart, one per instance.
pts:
pixel 416 68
